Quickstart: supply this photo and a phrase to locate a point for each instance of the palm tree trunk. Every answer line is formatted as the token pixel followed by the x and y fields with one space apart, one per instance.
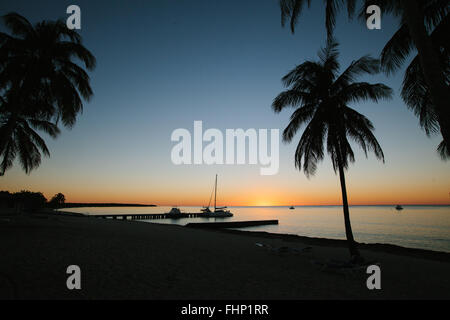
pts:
pixel 348 227
pixel 431 66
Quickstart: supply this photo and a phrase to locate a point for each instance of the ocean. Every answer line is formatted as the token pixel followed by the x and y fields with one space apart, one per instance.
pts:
pixel 425 227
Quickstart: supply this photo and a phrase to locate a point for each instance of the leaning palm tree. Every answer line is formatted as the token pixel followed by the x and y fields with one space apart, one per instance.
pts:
pixel 321 97
pixel 40 81
pixel 421 17
pixel 424 79
pixel 418 18
pixel 18 136
pixel 415 90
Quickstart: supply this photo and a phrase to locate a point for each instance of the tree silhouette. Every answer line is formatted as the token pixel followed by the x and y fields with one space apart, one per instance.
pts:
pixel 57 201
pixel 418 20
pixel 40 85
pixel 321 96
pixel 417 91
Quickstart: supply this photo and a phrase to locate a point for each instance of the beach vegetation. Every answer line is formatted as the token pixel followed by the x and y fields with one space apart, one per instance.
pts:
pixel 57 201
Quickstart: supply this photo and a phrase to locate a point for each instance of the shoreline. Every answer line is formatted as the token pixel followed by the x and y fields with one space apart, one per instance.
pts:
pixel 383 247
pixel 134 260
pixel 281 206
pixel 327 242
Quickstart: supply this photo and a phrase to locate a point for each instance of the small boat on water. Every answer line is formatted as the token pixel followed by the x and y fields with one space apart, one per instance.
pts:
pixel 219 212
pixel 174 213
pixel 398 207
pixel 292 208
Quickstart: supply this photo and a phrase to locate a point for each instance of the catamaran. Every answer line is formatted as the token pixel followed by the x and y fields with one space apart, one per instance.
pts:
pixel 219 212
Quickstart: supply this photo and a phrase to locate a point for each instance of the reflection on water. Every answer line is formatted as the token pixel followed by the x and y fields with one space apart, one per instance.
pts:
pixel 426 227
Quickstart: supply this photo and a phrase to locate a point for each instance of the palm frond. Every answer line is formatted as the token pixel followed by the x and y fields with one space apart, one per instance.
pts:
pixel 416 95
pixel 291 10
pixel 443 151
pixel 29 155
pixel 396 50
pixel 329 55
pixel 361 129
pixel 73 49
pixel 364 65
pixel 363 91
pixel 7 154
pixel 299 117
pixel 46 126
pixel 415 91
pixel 310 148
pixel 331 9
pixel 18 24
pixel 289 98
pixel 306 71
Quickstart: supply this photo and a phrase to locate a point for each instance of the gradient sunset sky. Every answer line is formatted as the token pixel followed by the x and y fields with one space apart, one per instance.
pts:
pixel 163 64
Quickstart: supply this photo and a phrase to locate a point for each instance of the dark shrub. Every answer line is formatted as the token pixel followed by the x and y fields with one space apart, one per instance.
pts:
pixel 29 201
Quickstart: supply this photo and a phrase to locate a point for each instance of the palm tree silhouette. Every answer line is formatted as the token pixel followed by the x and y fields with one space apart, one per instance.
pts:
pixel 418 17
pixel 40 85
pixel 292 9
pixel 321 97
pixel 18 136
pixel 416 92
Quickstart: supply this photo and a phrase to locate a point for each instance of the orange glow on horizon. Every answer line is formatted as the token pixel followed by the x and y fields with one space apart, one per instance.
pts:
pixel 250 199
pixel 251 190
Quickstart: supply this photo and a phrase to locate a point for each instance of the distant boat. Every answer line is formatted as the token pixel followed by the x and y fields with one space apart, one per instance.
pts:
pixel 174 213
pixel 219 212
pixel 292 208
pixel 398 207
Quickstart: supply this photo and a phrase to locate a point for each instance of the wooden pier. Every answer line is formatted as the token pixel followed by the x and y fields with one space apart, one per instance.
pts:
pixel 158 216
pixel 149 216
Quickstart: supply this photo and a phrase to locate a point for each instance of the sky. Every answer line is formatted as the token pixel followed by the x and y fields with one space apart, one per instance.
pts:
pixel 163 64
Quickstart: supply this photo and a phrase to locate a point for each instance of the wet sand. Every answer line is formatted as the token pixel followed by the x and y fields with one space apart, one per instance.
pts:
pixel 137 260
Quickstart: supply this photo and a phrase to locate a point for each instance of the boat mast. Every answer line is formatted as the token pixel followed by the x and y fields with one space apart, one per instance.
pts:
pixel 215 195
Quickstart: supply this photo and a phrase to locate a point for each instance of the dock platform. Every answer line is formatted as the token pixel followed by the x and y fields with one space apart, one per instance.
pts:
pixel 232 224
pixel 145 216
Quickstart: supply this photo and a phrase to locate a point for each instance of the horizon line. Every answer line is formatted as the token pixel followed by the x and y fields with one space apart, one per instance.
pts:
pixel 261 206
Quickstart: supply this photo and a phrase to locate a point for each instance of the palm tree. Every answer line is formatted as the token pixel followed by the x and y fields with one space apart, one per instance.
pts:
pixel 419 87
pixel 18 136
pixel 41 83
pixel 321 97
pixel 418 18
pixel 415 90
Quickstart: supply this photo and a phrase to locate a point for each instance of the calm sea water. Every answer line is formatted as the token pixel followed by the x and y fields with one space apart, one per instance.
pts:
pixel 426 227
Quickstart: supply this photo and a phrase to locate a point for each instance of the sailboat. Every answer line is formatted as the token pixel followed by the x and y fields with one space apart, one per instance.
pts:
pixel 219 212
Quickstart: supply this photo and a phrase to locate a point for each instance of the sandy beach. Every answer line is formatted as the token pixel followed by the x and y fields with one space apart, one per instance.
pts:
pixel 136 260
